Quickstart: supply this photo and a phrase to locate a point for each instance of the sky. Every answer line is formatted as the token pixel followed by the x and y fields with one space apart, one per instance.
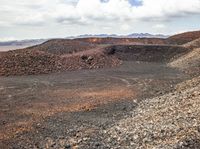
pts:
pixel 32 19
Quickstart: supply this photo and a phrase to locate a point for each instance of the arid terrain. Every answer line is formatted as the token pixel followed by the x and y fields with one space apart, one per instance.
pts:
pixel 13 45
pixel 107 93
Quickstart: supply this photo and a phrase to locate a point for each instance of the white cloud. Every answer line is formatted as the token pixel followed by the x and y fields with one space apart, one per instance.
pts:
pixel 159 26
pixel 84 11
pixel 166 9
pixel 125 27
pixel 120 15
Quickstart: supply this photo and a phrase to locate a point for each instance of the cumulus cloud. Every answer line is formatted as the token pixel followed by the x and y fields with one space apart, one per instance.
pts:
pixel 111 16
pixel 166 9
pixel 159 26
pixel 90 11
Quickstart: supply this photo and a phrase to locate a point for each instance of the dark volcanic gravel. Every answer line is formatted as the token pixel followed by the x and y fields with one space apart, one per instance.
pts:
pixel 77 109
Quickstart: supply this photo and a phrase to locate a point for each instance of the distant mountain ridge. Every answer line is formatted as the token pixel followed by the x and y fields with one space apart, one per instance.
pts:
pixel 133 35
pixel 39 41
pixel 22 42
pixel 147 35
pixel 18 44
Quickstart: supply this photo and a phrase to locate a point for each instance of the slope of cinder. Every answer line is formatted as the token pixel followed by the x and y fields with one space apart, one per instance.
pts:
pixel 29 62
pixel 183 37
pixel 168 121
pixel 190 62
pixel 147 53
pixel 193 44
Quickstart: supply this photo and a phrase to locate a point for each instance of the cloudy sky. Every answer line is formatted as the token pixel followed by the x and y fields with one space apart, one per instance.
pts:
pixel 22 19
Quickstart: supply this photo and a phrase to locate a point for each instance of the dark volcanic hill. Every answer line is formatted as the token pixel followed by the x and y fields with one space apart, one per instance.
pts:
pixel 184 38
pixel 69 46
pixel 85 53
pixel 90 53
pixel 63 46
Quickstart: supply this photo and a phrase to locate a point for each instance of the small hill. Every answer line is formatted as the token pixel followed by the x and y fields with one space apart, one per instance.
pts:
pixel 50 58
pixel 184 38
pixel 39 62
pixel 63 46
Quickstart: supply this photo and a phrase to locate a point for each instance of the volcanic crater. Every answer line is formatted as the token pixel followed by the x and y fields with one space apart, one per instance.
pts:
pixel 102 93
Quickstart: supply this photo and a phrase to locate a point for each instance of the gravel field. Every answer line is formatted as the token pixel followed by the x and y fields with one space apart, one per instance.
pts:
pixel 78 109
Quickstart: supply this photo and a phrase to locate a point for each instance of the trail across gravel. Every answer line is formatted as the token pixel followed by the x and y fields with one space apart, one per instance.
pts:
pixel 79 109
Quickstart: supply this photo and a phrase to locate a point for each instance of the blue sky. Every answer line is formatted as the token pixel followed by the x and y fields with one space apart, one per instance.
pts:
pixel 27 19
pixel 135 2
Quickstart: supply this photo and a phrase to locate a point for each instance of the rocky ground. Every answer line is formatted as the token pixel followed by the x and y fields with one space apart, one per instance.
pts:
pixel 168 121
pixel 152 113
pixel 77 109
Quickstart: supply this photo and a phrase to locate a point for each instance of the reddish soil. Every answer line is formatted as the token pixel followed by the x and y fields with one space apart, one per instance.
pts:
pixel 53 101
